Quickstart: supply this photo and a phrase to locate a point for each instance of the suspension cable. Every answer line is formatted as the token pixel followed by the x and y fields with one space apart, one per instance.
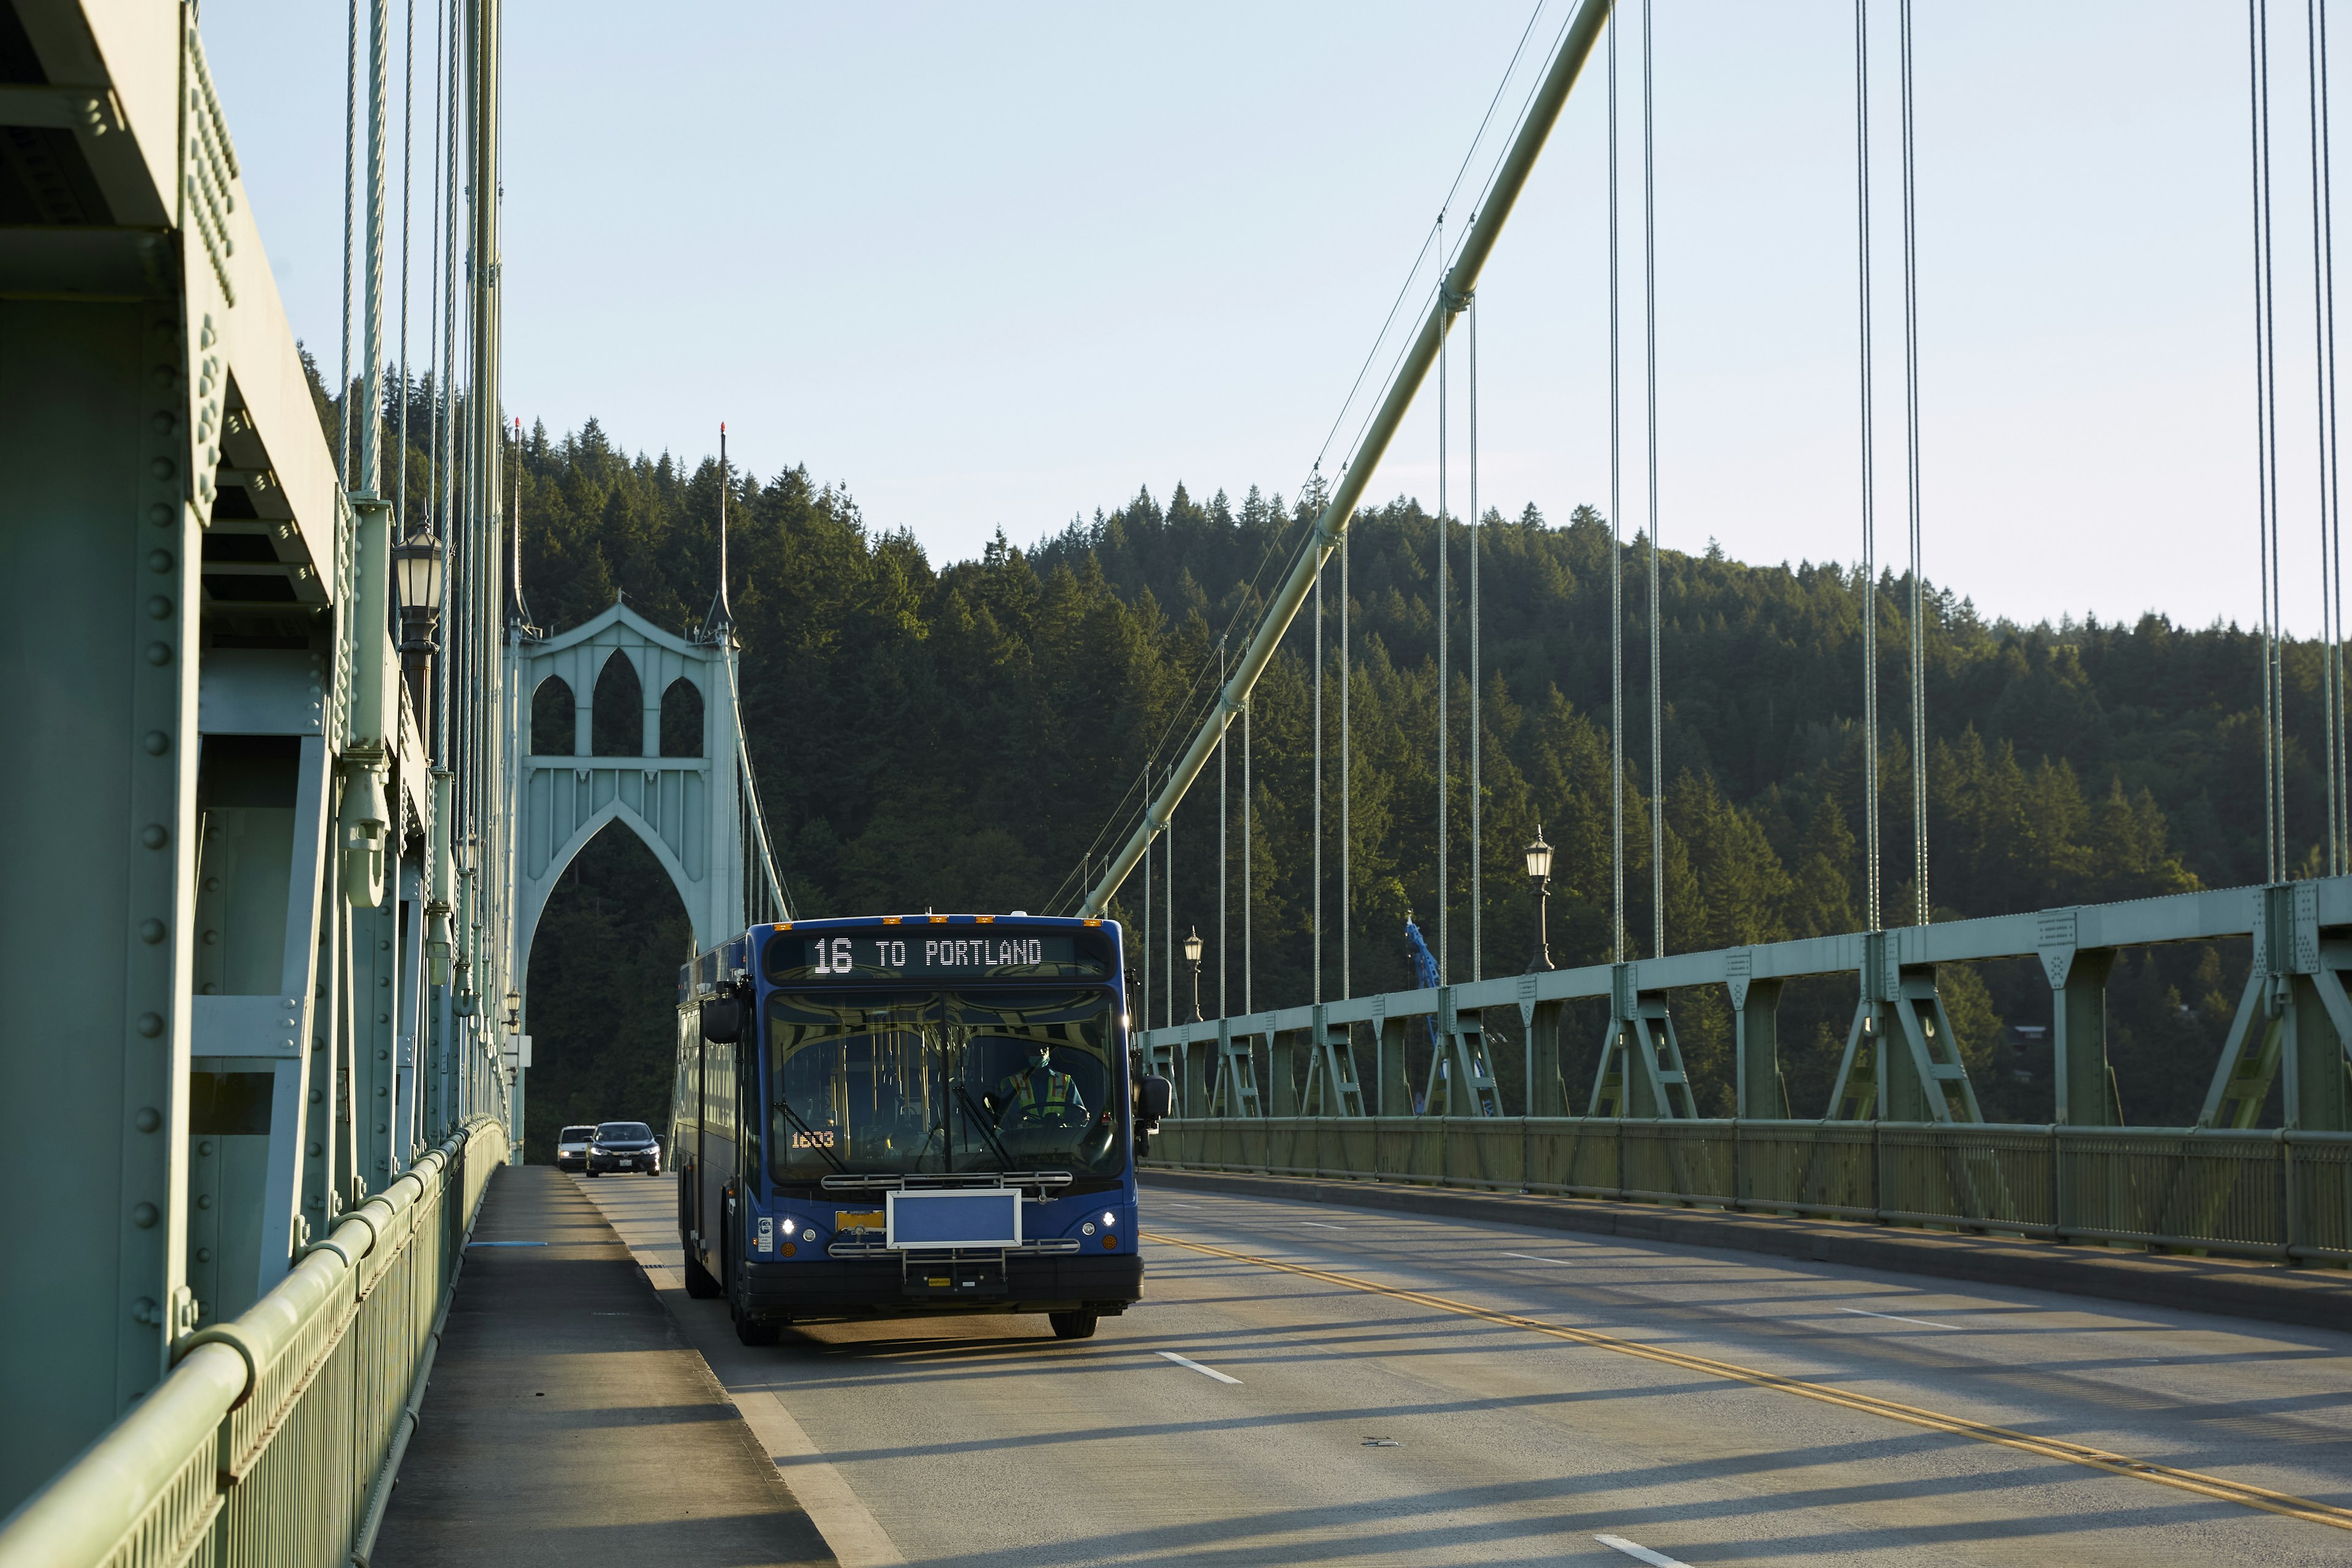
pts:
pixel 350 150
pixel 1478 904
pixel 1314 903
pixel 1346 889
pixel 407 158
pixel 1869 524
pixel 2266 493
pixel 1444 597
pixel 1616 548
pixel 1657 686
pixel 1249 1002
pixel 1921 911
pixel 1224 859
pixel 2331 567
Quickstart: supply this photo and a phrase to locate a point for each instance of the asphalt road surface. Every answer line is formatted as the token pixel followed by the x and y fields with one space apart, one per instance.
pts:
pixel 1310 1385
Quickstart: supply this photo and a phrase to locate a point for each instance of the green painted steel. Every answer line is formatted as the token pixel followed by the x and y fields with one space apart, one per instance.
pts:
pixel 2278 1194
pixel 264 1444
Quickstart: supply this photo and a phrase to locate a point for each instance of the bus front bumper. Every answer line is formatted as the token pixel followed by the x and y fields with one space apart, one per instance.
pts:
pixel 962 1281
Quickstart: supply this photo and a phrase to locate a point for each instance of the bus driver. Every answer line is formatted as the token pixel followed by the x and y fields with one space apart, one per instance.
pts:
pixel 1038 1096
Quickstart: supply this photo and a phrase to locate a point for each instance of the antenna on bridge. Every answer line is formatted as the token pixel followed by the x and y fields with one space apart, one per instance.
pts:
pixel 722 613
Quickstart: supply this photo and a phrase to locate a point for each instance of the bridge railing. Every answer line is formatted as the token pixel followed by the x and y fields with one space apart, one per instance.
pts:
pixel 265 1444
pixel 2277 1194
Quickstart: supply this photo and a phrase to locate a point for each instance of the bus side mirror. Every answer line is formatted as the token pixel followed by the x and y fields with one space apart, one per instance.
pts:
pixel 1153 1096
pixel 722 1019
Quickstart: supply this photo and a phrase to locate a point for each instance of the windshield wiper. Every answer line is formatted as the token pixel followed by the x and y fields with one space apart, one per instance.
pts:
pixel 971 1114
pixel 810 1134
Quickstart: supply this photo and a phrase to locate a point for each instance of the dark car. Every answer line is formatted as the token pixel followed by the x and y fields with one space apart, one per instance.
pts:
pixel 624 1146
pixel 571 1148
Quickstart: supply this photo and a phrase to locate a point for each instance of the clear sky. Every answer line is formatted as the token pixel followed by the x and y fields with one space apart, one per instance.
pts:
pixel 997 266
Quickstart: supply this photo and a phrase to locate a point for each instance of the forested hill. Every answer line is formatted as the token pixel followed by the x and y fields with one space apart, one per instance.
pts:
pixel 957 736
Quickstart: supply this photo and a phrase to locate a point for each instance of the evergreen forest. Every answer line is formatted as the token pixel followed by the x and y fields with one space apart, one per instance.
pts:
pixel 971 736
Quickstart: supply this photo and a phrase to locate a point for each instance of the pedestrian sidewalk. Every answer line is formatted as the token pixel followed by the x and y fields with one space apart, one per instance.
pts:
pixel 567 1422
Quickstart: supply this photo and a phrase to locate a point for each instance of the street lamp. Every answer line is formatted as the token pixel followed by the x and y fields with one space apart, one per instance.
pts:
pixel 1193 957
pixel 1539 882
pixel 416 569
pixel 514 1012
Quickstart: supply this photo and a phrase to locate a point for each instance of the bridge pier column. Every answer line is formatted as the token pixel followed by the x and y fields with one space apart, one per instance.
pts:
pixel 1395 1097
pixel 1755 1049
pixel 98 551
pixel 1282 1066
pixel 2081 1081
pixel 1547 1093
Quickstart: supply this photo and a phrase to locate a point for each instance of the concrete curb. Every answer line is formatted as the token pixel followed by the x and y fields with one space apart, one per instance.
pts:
pixel 2309 1298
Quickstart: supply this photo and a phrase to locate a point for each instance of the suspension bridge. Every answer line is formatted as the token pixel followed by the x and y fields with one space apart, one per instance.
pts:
pixel 295 775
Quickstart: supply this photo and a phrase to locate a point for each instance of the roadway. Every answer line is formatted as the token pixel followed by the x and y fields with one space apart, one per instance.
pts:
pixel 1359 1388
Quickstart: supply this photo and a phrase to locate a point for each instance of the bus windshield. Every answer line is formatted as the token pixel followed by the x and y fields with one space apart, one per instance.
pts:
pixel 902 1082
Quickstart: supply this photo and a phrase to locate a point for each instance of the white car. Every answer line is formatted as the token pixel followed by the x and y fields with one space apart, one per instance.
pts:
pixel 571 1148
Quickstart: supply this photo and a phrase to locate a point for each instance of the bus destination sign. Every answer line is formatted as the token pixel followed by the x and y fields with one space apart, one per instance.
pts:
pixel 894 957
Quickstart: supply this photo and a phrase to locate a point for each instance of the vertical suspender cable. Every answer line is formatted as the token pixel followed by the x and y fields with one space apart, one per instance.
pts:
pixel 1657 686
pixel 1869 534
pixel 1921 910
pixel 1445 539
pixel 1346 888
pixel 1478 904
pixel 445 437
pixel 1315 902
pixel 1167 900
pixel 2266 490
pixel 370 408
pixel 407 159
pixel 2323 240
pixel 1249 1002
pixel 1144 1011
pixel 1616 553
pixel 350 151
pixel 1224 858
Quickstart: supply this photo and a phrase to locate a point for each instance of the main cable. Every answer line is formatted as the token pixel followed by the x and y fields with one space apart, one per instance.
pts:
pixel 2331 567
pixel 350 150
pixel 2265 494
pixel 1478 897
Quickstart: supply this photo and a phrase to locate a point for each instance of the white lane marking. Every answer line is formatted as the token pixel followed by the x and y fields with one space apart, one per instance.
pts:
pixel 1533 1259
pixel 1172 1203
pixel 1196 1366
pixel 1321 1225
pixel 1897 1317
pixel 1640 1553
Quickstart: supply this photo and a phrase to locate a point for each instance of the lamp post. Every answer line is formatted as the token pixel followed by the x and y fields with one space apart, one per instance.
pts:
pixel 1539 882
pixel 1193 957
pixel 416 566
pixel 514 1012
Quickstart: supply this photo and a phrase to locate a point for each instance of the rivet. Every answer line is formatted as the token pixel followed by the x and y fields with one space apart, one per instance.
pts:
pixel 211 884
pixel 159 514
pixel 204 1199
pixel 380 1092
pixel 316 1097
pixel 163 468
pixel 159 608
pixel 316 1150
pixel 159 654
pixel 203 1255
pixel 154 835
pixel 151 1023
pixel 143 1215
pixel 158 560
pixel 148 1120
pixel 151 931
pixel 157 742
pixel 205 1147
pixel 163 422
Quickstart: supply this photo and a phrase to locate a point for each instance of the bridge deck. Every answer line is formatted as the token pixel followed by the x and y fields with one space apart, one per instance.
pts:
pixel 984 1443
pixel 567 1422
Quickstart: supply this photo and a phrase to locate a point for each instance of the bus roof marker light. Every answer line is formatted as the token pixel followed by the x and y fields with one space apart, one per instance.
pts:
pixel 936 920
pixel 783 925
pixel 984 919
pixel 1094 922
pixel 892 920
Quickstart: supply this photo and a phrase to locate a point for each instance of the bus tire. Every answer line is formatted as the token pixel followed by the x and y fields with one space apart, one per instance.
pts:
pixel 699 1282
pixel 1072 1325
pixel 754 1330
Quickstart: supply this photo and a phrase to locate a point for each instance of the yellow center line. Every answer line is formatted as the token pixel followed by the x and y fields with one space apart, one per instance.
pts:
pixel 1935 1421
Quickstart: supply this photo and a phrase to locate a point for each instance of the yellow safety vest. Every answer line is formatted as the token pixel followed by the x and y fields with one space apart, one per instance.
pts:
pixel 1022 1087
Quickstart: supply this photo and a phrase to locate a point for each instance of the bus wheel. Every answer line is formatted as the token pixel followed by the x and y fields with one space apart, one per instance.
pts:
pixel 699 1282
pixel 755 1330
pixel 1072 1325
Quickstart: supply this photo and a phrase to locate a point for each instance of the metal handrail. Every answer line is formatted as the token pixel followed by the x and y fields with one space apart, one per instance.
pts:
pixel 298 1397
pixel 2276 1193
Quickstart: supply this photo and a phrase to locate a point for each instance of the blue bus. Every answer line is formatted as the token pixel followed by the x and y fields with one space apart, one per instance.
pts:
pixel 901 1114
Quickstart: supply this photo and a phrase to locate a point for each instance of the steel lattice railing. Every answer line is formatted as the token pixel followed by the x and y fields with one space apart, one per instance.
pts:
pixel 2275 1193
